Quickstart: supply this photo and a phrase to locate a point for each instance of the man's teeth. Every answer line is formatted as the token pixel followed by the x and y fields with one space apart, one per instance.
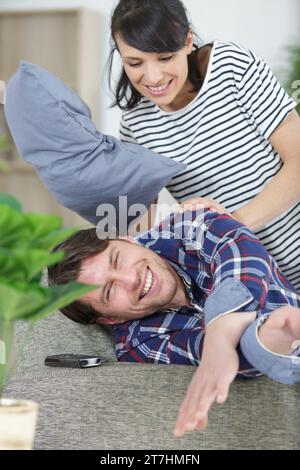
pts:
pixel 159 88
pixel 148 283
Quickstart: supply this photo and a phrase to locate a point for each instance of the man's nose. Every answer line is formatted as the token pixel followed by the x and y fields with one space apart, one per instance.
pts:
pixel 128 278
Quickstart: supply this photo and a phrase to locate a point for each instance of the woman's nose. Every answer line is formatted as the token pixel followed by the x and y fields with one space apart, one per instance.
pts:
pixel 153 75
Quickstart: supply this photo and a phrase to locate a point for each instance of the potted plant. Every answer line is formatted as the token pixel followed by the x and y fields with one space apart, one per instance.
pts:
pixel 26 241
pixel 293 82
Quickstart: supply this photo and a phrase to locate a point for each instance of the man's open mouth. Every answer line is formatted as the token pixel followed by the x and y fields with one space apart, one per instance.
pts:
pixel 147 284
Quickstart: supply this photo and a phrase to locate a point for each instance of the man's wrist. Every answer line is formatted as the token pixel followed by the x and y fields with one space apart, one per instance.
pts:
pixel 230 326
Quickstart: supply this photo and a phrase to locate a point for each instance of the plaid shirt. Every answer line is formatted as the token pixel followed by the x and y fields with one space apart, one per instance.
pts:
pixel 204 249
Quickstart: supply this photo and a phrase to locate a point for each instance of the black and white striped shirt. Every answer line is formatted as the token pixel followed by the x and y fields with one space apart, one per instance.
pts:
pixel 222 136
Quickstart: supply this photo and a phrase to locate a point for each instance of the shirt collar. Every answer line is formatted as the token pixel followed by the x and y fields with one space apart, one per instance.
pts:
pixel 187 282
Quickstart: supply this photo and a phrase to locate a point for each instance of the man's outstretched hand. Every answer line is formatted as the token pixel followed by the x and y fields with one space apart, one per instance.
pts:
pixel 217 370
pixel 210 384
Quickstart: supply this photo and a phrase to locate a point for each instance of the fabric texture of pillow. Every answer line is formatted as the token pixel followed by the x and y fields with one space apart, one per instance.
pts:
pixel 83 168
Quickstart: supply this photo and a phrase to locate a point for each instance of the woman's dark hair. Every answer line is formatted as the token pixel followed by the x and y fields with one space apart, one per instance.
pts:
pixel 150 26
pixel 77 248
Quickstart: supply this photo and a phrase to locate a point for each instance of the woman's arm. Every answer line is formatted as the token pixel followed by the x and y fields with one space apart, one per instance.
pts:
pixel 283 191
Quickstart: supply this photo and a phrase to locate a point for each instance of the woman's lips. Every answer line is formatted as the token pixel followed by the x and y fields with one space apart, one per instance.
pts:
pixel 160 91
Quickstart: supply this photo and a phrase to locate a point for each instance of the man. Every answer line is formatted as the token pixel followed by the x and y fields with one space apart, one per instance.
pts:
pixel 200 285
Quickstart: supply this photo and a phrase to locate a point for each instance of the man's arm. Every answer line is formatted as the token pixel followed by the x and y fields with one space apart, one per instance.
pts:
pixel 234 254
pixel 149 344
pixel 217 370
pixel 240 267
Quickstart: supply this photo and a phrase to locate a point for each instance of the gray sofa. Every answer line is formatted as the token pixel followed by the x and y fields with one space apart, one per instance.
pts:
pixel 134 406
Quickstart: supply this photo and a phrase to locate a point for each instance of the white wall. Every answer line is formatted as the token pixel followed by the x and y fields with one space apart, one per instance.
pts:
pixel 266 26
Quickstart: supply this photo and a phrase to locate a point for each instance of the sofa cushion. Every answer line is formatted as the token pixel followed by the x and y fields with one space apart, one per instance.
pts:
pixel 134 406
pixel 56 334
pixel 52 128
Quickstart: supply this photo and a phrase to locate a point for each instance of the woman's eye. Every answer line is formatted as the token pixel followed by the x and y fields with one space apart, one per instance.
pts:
pixel 165 59
pixel 134 65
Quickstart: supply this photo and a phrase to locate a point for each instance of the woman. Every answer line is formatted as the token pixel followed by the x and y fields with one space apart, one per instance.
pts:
pixel 219 109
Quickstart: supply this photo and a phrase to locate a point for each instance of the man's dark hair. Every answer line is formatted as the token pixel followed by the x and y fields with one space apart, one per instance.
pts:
pixel 150 26
pixel 77 248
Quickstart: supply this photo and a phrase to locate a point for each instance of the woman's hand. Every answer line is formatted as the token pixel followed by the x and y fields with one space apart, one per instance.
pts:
pixel 200 203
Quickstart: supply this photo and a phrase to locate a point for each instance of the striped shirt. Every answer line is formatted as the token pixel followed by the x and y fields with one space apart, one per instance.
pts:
pixel 204 249
pixel 223 137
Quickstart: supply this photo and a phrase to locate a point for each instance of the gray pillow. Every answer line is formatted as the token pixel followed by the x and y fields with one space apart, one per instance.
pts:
pixel 53 130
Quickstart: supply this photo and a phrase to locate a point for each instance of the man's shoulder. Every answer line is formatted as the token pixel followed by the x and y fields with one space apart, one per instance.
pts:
pixel 132 333
pixel 187 225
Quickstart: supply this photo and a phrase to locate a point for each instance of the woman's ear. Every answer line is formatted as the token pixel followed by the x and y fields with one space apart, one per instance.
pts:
pixel 189 41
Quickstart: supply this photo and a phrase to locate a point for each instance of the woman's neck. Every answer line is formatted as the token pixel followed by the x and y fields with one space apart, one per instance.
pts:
pixel 184 97
pixel 188 92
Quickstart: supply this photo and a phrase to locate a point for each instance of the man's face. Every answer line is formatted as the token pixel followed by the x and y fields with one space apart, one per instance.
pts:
pixel 133 282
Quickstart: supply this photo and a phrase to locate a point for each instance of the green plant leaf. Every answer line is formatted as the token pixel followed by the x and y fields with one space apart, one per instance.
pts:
pixel 16 304
pixel 36 302
pixel 42 224
pixel 25 244
pixel 10 201
pixel 294 73
pixel 13 231
pixel 25 265
pixel 54 238
pixel 61 295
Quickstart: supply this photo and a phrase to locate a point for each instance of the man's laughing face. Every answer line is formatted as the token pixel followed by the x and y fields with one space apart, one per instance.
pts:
pixel 134 282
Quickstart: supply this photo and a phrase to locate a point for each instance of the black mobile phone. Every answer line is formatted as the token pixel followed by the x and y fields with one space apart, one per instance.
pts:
pixel 73 360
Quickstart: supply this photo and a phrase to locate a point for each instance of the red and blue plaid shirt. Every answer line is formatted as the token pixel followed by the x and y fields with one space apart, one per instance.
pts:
pixel 204 249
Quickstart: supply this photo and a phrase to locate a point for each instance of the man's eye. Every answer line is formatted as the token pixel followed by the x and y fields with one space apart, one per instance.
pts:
pixel 108 294
pixel 109 290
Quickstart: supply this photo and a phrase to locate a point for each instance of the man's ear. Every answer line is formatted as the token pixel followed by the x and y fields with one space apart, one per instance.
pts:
pixel 108 321
pixel 129 239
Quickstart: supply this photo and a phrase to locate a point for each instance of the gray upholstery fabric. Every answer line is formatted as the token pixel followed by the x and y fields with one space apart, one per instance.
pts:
pixel 134 406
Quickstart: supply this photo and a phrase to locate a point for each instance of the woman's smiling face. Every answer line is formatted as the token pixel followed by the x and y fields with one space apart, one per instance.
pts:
pixel 133 282
pixel 161 77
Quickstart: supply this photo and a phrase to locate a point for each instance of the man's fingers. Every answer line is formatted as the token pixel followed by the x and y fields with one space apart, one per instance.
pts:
pixel 181 419
pixel 202 423
pixel 205 404
pixel 188 408
pixel 194 411
pixel 222 394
